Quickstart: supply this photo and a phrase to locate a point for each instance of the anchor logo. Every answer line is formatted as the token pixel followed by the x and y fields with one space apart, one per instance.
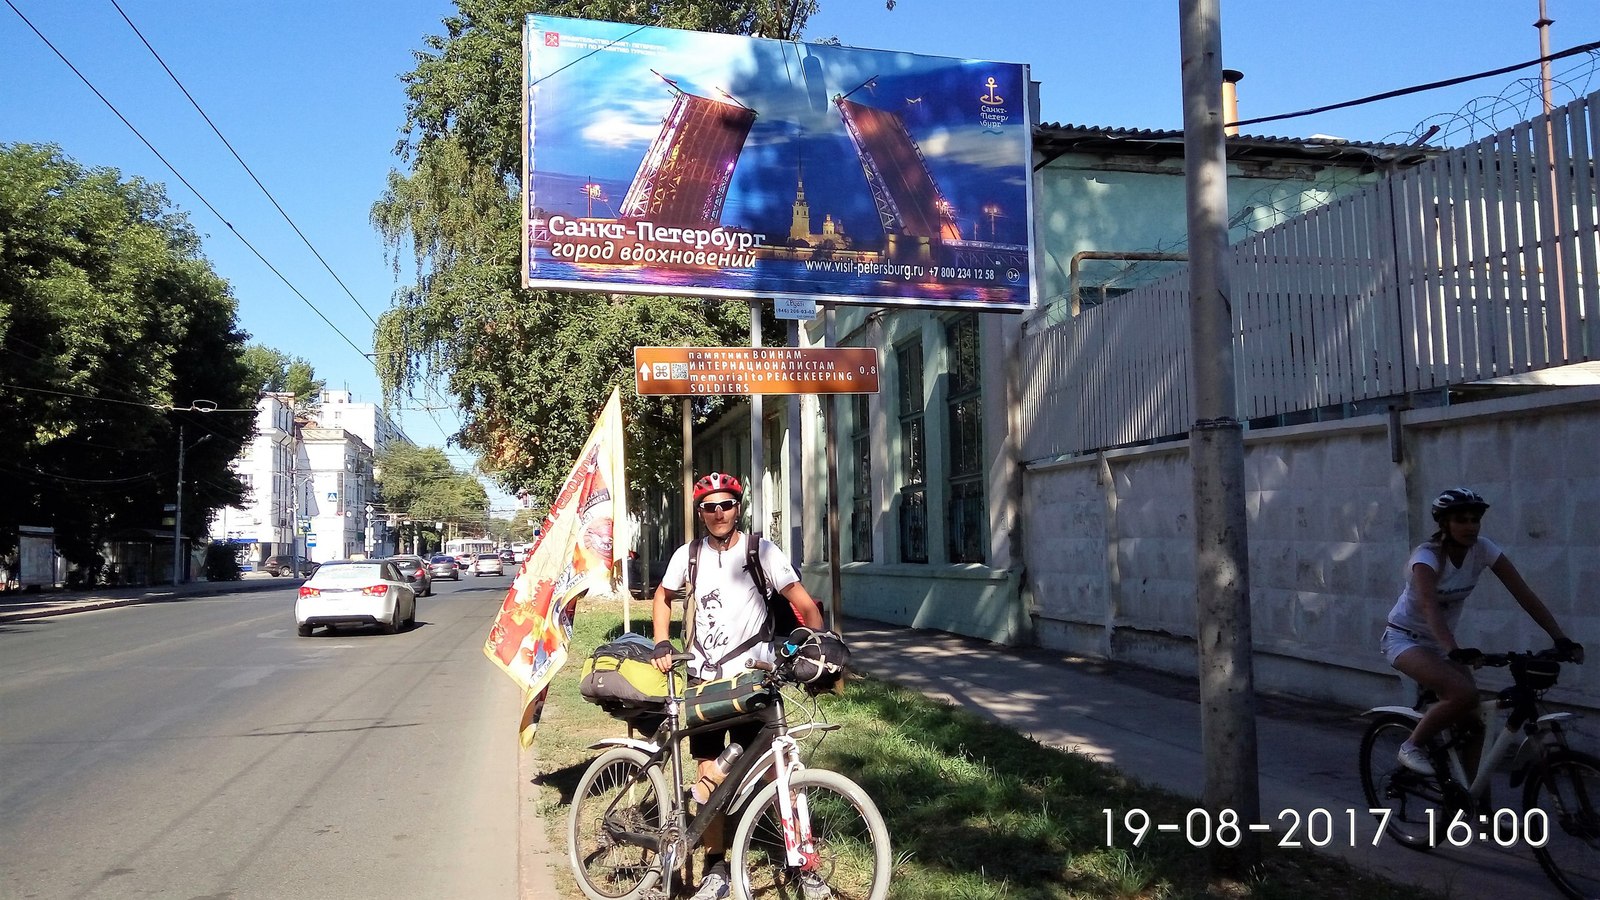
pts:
pixel 991 97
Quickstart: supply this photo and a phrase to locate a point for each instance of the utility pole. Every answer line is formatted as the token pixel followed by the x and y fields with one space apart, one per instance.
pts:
pixel 177 517
pixel 1216 451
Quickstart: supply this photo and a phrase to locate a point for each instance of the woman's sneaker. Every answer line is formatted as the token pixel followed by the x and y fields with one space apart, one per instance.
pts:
pixel 715 885
pixel 1415 759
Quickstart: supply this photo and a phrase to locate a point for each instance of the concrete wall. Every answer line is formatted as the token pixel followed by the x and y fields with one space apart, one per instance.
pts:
pixel 1109 542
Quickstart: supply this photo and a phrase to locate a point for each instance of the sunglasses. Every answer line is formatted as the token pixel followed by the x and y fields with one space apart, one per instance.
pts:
pixel 718 506
pixel 1467 517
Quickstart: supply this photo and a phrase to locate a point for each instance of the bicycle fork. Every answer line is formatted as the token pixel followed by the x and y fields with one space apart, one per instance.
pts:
pixel 800 851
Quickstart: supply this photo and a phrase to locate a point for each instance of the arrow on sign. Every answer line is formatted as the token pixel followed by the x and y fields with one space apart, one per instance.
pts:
pixel 644 372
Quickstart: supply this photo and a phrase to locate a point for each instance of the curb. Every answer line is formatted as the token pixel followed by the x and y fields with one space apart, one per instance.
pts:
pixel 88 604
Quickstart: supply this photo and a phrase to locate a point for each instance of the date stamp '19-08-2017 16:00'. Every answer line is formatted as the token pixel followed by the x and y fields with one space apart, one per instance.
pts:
pixel 1324 827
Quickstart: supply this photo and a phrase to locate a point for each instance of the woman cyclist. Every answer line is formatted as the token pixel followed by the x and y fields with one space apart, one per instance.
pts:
pixel 1420 639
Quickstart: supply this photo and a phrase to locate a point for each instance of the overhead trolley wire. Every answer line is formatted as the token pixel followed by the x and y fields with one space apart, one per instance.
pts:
pixel 179 175
pixel 218 132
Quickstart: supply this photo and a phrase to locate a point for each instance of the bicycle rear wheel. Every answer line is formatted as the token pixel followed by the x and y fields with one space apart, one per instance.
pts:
pixel 851 839
pixel 612 797
pixel 1566 788
pixel 1388 785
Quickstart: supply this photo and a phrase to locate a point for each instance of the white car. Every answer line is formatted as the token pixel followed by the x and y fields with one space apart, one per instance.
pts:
pixel 488 564
pixel 351 592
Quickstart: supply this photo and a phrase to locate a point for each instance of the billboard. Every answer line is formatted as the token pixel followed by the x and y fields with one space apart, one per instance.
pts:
pixel 659 161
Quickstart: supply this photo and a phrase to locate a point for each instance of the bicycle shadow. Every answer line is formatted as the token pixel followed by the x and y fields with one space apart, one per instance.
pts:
pixel 564 780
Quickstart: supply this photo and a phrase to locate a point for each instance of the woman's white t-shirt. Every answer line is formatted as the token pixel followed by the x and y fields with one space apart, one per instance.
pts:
pixel 1455 583
pixel 729 610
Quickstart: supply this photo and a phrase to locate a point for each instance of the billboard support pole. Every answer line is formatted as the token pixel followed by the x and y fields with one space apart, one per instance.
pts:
pixel 793 512
pixel 757 451
pixel 688 470
pixel 829 405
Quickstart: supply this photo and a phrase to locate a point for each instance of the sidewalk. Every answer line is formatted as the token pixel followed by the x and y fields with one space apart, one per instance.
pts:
pixel 1147 724
pixel 19 605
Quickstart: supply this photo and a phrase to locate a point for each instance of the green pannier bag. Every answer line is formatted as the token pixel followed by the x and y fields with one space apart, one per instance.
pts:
pixel 726 697
pixel 620 678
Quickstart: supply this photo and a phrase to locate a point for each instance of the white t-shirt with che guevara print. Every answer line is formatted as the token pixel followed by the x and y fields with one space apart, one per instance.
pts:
pixel 729 611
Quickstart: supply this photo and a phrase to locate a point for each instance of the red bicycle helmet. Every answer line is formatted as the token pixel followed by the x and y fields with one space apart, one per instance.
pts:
pixel 717 482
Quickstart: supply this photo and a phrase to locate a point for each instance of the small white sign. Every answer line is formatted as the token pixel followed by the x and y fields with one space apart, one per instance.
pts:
pixel 795 309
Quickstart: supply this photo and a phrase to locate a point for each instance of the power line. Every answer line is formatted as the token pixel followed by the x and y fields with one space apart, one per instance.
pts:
pixel 218 132
pixel 179 175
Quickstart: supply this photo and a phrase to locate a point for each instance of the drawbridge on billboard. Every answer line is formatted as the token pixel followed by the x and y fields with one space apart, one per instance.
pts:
pixel 660 161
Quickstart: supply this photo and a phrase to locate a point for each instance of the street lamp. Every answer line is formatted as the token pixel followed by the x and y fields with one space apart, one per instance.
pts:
pixel 992 210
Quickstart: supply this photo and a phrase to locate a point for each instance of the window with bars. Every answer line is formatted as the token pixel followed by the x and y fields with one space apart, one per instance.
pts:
pixel 965 512
pixel 913 455
pixel 861 489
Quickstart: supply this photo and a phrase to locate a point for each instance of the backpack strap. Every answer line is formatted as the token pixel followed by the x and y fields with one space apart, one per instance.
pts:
pixel 779 609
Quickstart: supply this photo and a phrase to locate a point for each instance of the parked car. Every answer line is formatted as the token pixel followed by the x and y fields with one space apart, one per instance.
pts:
pixel 356 592
pixel 445 566
pixel 416 571
pixel 288 565
pixel 488 564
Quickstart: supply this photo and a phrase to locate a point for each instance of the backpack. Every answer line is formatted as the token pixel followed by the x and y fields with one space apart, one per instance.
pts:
pixel 620 678
pixel 781 616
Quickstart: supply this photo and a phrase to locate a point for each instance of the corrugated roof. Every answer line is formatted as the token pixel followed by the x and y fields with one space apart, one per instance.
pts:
pixel 1054 139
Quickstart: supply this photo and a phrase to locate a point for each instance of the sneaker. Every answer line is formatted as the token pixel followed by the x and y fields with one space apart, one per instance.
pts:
pixel 1415 759
pixel 714 886
pixel 812 887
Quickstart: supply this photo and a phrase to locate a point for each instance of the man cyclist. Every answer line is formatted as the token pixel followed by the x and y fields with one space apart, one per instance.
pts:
pixel 1420 638
pixel 730 629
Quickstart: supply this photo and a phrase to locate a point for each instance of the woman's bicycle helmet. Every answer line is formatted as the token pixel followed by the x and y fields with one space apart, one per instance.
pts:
pixel 717 482
pixel 1457 500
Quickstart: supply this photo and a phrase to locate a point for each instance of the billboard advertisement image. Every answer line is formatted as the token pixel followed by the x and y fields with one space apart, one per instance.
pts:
pixel 660 161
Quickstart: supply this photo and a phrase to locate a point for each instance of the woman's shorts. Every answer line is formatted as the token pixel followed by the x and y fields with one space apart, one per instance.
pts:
pixel 1395 642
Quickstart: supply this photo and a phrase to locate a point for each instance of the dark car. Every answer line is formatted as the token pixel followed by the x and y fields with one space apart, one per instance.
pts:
pixel 507 556
pixel 445 566
pixel 415 570
pixel 288 565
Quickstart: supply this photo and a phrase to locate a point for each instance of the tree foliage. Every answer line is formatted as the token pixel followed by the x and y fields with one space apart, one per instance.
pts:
pixel 419 483
pixel 276 371
pixel 112 326
pixel 531 369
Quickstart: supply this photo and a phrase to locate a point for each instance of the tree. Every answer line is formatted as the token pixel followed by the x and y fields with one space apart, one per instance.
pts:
pixel 114 329
pixel 275 371
pixel 531 369
pixel 420 484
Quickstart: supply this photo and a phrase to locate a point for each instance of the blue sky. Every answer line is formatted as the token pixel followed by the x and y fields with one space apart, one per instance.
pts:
pixel 309 95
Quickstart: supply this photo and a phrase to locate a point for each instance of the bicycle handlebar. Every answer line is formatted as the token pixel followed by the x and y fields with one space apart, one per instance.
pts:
pixel 1501 660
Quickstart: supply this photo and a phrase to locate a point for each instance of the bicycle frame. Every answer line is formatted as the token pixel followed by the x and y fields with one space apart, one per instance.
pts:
pixel 1518 729
pixel 775 755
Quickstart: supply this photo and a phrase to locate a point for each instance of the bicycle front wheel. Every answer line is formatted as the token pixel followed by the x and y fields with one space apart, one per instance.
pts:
pixel 851 840
pixel 1566 790
pixel 617 794
pixel 1407 795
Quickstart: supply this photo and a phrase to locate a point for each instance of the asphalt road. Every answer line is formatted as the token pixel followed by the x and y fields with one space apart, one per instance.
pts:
pixel 199 748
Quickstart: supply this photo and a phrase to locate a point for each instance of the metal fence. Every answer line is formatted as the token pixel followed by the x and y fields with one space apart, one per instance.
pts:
pixel 1477 264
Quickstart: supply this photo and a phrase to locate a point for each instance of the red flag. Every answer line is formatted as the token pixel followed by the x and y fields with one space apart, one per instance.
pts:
pixel 574 554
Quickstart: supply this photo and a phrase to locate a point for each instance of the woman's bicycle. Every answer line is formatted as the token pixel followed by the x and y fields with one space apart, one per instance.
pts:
pixel 803 833
pixel 1560 815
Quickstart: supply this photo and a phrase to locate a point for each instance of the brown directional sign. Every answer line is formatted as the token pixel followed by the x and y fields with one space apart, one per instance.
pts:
pixel 756 370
